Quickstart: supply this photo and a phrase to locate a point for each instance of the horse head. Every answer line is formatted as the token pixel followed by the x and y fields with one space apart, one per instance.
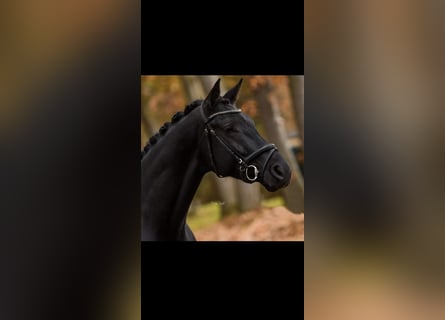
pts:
pixel 234 146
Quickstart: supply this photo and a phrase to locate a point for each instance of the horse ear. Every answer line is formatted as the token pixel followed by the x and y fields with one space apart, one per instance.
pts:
pixel 213 95
pixel 232 94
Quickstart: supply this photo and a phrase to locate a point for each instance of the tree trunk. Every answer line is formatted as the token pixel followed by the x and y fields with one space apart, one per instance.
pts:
pixel 146 126
pixel 193 88
pixel 275 129
pixel 249 196
pixel 297 92
pixel 225 186
pixel 146 123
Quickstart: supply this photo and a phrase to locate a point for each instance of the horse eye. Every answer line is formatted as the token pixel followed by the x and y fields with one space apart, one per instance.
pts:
pixel 231 129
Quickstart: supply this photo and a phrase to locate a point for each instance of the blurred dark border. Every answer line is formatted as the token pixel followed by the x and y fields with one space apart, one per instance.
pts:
pixel 70 163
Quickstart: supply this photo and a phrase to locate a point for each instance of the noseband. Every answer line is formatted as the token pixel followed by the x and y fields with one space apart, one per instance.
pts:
pixel 249 170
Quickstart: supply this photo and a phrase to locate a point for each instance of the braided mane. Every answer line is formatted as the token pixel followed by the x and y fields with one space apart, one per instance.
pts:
pixel 164 128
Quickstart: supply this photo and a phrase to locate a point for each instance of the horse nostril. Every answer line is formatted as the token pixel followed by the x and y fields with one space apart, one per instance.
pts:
pixel 277 171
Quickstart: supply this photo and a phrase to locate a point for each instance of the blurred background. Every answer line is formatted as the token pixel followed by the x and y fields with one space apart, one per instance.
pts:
pixel 375 245
pixel 226 208
pixel 69 186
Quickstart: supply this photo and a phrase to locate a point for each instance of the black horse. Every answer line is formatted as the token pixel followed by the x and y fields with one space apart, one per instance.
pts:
pixel 210 135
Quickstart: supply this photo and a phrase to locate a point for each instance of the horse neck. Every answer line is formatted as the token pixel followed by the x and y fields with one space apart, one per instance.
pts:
pixel 171 174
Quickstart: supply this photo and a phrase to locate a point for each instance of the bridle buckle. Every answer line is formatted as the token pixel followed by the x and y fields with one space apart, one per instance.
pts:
pixel 255 172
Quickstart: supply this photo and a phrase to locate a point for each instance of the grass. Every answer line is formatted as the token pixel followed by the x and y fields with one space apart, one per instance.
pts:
pixel 206 214
pixel 210 213
pixel 272 202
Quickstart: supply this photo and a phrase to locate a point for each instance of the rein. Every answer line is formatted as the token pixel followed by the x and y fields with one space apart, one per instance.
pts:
pixel 249 170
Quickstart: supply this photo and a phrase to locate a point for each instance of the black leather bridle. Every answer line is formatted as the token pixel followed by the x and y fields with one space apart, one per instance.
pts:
pixel 250 170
